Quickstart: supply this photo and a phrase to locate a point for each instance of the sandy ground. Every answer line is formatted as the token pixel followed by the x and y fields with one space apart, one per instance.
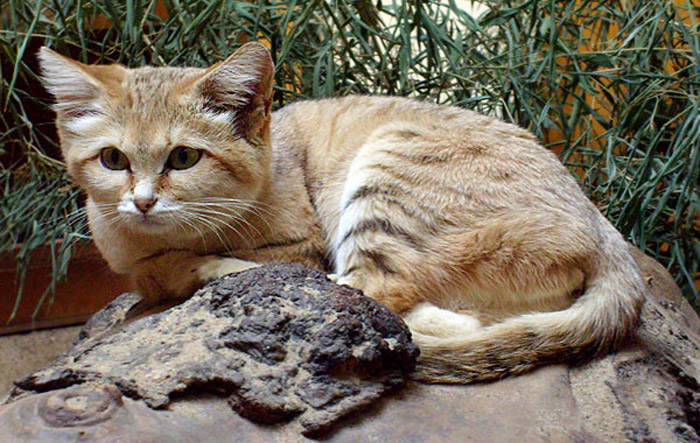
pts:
pixel 22 353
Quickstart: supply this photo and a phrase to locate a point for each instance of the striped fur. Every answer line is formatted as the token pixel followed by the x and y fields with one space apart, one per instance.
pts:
pixel 462 223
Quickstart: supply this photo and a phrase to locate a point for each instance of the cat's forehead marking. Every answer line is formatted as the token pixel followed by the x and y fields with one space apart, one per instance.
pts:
pixel 147 112
pixel 149 88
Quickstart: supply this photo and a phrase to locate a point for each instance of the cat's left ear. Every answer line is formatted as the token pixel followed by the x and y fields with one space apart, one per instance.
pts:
pixel 77 87
pixel 242 86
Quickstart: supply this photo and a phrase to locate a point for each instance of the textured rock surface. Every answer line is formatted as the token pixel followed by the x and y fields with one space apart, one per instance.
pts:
pixel 637 396
pixel 22 353
pixel 536 407
pixel 280 341
pixel 644 393
pixel 651 390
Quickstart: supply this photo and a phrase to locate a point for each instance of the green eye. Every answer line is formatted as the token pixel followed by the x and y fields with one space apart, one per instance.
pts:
pixel 113 158
pixel 183 157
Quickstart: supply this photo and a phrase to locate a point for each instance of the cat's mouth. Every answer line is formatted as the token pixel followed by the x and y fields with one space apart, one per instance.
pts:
pixel 147 222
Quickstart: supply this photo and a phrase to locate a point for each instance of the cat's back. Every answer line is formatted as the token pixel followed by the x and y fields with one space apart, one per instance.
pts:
pixel 346 123
pixel 413 133
pixel 460 160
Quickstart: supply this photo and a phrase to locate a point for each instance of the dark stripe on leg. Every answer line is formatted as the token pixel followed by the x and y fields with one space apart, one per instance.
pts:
pixel 385 226
pixel 422 158
pixel 407 134
pixel 349 271
pixel 363 192
pixel 426 215
pixel 380 260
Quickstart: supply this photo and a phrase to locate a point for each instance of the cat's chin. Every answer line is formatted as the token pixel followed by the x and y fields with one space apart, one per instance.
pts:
pixel 149 224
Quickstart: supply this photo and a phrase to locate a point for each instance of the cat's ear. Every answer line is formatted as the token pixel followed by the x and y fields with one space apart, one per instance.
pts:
pixel 242 86
pixel 76 86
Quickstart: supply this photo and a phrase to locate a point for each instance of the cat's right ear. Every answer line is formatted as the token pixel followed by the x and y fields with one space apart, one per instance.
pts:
pixel 241 86
pixel 76 86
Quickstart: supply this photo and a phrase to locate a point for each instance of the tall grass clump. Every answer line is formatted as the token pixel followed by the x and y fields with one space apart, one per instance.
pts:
pixel 612 86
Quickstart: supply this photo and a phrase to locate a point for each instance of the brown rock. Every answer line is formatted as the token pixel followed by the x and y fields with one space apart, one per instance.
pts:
pixel 264 338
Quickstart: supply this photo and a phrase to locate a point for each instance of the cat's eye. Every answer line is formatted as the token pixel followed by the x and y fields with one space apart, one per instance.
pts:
pixel 113 158
pixel 183 157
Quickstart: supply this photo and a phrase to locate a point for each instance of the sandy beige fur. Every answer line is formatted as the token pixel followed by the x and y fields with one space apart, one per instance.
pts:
pixel 462 223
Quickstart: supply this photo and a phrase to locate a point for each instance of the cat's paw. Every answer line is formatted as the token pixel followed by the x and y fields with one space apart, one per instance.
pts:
pixel 332 277
pixel 428 319
pixel 219 266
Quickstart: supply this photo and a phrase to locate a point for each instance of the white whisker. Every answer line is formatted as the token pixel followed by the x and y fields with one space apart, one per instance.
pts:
pixel 218 231
pixel 184 222
pixel 242 222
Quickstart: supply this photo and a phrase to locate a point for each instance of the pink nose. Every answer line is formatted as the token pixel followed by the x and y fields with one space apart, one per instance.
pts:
pixel 145 203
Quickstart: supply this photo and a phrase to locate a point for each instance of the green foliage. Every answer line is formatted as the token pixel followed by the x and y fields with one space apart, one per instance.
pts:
pixel 612 86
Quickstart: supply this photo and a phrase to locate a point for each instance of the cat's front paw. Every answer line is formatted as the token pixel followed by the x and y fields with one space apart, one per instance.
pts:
pixel 219 266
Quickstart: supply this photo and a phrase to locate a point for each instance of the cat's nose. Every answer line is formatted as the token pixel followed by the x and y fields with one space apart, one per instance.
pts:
pixel 144 203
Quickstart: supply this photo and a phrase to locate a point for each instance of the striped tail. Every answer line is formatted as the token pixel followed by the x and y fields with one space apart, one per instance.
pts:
pixel 599 321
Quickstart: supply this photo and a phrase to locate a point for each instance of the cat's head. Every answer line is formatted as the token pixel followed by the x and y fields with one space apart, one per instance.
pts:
pixel 150 144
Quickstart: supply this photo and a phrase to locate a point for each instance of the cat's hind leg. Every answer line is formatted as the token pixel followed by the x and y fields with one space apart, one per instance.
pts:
pixel 373 253
pixel 383 240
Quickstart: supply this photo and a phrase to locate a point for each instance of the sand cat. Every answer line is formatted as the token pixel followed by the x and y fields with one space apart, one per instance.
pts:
pixel 461 223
